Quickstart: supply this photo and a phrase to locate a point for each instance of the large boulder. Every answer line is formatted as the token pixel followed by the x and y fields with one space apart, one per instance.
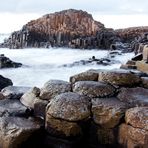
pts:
pixel 61 128
pixel 12 107
pixel 84 76
pixel 69 106
pixel 137 117
pixel 134 96
pixel 93 89
pixel 53 88
pixel 14 131
pixel 14 92
pixel 119 78
pixel 4 82
pixel 108 112
pixel 30 97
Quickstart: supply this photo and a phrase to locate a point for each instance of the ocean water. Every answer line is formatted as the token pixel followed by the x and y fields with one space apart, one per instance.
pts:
pixel 41 65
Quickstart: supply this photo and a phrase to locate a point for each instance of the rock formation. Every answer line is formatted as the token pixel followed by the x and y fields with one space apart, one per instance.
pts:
pixel 68 28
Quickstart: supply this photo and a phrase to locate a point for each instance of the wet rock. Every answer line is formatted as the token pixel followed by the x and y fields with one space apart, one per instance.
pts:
pixel 9 107
pixel 84 76
pixel 2 96
pixel 119 78
pixel 53 88
pixel 142 66
pixel 5 62
pixel 108 112
pixel 30 97
pixel 93 89
pixel 4 82
pixel 144 82
pixel 69 106
pixel 14 131
pixel 14 92
pixel 137 117
pixel 134 96
pixel 61 128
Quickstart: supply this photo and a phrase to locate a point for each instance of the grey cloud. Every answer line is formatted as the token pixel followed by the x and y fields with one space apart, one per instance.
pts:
pixel 101 6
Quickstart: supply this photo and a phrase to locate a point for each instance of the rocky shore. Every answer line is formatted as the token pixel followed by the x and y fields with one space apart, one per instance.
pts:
pixel 95 108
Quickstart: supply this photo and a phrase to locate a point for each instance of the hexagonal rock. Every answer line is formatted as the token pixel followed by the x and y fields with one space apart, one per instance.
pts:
pixel 134 96
pixel 119 77
pixel 84 76
pixel 137 117
pixel 58 127
pixel 93 89
pixel 53 88
pixel 14 131
pixel 14 92
pixel 69 106
pixel 30 97
pixel 108 112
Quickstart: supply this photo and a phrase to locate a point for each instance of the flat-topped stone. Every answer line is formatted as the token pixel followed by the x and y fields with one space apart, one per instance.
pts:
pixel 69 106
pixel 108 112
pixel 14 92
pixel 119 77
pixel 134 96
pixel 137 117
pixel 93 89
pixel 53 88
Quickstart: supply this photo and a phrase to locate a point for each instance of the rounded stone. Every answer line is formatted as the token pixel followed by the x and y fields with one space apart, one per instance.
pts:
pixel 93 89
pixel 69 106
pixel 119 77
pixel 108 112
pixel 137 117
pixel 53 88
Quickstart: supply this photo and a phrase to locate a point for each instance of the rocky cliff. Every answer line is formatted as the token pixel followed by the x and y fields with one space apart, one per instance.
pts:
pixel 68 28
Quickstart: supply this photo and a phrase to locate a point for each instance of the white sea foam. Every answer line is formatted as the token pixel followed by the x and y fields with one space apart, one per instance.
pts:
pixel 40 65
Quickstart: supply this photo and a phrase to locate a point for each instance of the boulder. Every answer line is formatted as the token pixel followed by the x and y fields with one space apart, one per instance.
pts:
pixel 137 117
pixel 5 62
pixel 142 66
pixel 93 89
pixel 12 107
pixel 14 131
pixel 30 97
pixel 119 77
pixel 53 88
pixel 69 106
pixel 134 96
pixel 61 128
pixel 145 82
pixel 84 76
pixel 14 92
pixel 4 82
pixel 108 112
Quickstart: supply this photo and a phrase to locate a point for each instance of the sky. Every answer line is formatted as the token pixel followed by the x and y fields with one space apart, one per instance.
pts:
pixel 113 13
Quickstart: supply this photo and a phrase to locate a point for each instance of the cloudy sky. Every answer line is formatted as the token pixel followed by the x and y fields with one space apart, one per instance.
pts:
pixel 113 13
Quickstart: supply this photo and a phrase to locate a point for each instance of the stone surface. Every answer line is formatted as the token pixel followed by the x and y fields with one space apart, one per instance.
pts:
pixel 119 77
pixel 16 130
pixel 69 106
pixel 93 89
pixel 84 76
pixel 108 112
pixel 9 107
pixel 14 92
pixel 5 62
pixel 61 128
pixel 30 97
pixel 4 82
pixel 144 82
pixel 142 66
pixel 2 96
pixel 145 53
pixel 137 117
pixel 134 96
pixel 53 88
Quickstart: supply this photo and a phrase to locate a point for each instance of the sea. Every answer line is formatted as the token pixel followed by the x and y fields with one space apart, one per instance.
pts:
pixel 42 64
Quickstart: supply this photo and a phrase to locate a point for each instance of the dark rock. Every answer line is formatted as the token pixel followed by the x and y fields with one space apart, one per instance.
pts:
pixel 14 92
pixel 93 89
pixel 4 82
pixel 145 82
pixel 7 63
pixel 134 96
